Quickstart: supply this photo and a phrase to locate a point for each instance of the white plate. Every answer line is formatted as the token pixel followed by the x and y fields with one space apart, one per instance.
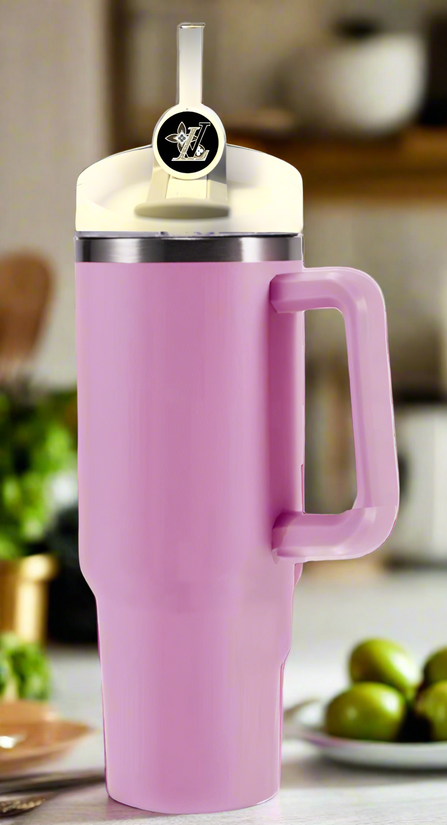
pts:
pixel 305 722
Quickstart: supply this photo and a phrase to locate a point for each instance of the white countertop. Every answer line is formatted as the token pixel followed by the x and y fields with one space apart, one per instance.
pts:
pixel 330 616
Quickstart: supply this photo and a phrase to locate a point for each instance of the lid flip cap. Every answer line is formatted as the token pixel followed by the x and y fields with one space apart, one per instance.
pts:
pixel 190 181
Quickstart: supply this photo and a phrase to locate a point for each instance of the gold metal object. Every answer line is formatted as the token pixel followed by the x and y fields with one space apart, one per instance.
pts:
pixel 22 804
pixel 48 783
pixel 24 595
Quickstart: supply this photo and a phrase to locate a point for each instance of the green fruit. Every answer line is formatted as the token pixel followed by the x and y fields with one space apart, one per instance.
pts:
pixel 435 669
pixel 367 711
pixel 431 705
pixel 378 660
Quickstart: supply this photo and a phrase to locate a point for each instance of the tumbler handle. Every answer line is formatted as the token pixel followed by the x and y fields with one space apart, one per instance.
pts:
pixel 308 536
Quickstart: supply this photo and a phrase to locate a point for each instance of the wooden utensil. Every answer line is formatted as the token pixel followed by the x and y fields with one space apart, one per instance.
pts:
pixel 26 283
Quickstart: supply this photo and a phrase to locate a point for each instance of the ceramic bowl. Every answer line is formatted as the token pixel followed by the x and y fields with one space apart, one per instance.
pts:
pixel 305 721
pixel 360 88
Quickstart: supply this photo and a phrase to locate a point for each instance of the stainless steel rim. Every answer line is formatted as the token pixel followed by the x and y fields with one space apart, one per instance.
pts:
pixel 166 249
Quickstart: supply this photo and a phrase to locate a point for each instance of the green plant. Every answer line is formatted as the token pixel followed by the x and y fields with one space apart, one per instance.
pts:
pixel 8 680
pixel 25 669
pixel 36 443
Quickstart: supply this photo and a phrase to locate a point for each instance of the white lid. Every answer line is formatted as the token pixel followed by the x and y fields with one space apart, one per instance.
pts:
pixel 265 194
pixel 190 181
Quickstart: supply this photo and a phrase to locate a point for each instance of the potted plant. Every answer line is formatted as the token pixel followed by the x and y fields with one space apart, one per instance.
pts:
pixel 37 472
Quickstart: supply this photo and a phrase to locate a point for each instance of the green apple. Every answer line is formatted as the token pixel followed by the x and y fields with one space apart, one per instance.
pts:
pixel 367 710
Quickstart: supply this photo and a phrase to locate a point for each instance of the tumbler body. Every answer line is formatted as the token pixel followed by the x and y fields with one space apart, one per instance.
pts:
pixel 191 443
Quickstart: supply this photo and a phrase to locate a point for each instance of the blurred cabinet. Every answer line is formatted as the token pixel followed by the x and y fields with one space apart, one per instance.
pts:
pixel 411 165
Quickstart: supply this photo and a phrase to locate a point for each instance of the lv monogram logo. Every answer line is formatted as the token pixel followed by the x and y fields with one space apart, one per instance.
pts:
pixel 189 143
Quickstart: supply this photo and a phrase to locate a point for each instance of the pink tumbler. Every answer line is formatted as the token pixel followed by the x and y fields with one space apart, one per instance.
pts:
pixel 191 293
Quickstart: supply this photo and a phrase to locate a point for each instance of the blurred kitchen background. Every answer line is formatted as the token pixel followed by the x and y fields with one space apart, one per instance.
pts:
pixel 354 94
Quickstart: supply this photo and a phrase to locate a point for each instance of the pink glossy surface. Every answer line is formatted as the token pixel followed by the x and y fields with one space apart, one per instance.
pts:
pixel 309 536
pixel 191 446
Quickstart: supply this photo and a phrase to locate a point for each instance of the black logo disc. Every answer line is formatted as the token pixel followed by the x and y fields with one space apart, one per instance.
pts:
pixel 187 142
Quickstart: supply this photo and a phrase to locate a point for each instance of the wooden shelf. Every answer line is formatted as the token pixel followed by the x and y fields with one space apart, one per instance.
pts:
pixel 410 166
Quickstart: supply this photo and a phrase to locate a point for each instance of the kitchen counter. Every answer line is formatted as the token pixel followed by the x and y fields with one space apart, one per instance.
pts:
pixel 330 615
